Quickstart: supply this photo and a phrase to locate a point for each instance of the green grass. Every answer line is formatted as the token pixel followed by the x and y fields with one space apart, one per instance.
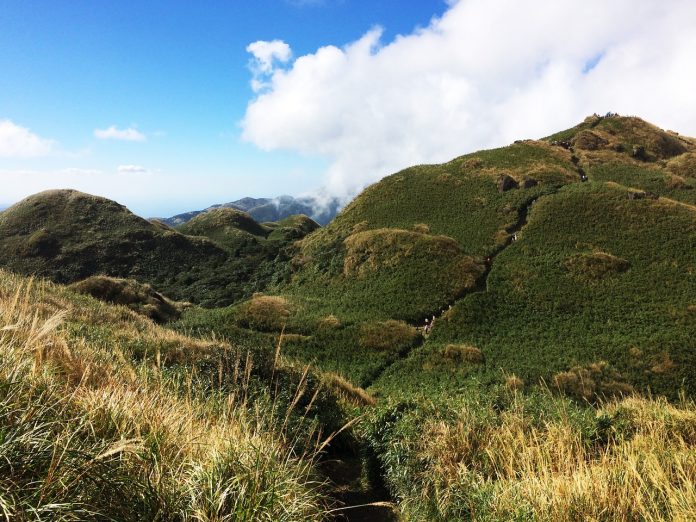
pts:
pixel 538 317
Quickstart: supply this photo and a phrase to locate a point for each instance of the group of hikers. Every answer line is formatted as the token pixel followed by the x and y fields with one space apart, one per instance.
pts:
pixel 429 323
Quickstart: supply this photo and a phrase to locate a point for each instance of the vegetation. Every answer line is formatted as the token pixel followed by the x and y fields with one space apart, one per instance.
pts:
pixel 106 416
pixel 507 456
pixel 68 236
pixel 506 336
pixel 139 297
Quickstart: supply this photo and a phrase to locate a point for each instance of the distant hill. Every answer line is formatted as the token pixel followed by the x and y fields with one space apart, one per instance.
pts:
pixel 67 236
pixel 270 209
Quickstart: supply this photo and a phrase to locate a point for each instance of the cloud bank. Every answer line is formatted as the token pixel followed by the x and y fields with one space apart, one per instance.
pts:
pixel 484 74
pixel 19 142
pixel 114 133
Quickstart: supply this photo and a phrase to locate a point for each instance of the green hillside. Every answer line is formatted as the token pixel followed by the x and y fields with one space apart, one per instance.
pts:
pixel 67 236
pixel 557 279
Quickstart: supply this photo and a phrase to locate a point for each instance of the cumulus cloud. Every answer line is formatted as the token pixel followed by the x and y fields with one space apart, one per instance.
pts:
pixel 483 74
pixel 266 56
pixel 132 169
pixel 114 133
pixel 20 142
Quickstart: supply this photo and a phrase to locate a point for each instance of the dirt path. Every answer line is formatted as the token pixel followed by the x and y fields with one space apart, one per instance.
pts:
pixel 361 504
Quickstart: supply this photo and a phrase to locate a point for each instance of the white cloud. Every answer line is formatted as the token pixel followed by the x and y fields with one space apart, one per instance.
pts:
pixel 484 74
pixel 132 169
pixel 114 133
pixel 265 56
pixel 20 142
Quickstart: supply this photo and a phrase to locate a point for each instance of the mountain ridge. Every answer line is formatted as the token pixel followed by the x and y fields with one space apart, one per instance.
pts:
pixel 270 209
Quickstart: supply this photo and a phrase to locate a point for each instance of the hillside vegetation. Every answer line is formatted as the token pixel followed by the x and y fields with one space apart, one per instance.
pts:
pixel 509 335
pixel 67 236
pixel 105 416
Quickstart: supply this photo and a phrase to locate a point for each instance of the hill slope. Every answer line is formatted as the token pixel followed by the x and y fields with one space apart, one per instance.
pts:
pixel 67 236
pixel 556 263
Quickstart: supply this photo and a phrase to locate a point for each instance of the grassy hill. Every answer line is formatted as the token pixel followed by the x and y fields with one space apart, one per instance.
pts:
pixel 68 236
pixel 557 278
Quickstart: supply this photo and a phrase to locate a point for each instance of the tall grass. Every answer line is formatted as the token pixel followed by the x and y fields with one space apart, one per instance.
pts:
pixel 88 435
pixel 631 459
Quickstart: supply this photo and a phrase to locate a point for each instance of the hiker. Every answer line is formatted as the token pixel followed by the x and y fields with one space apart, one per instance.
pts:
pixel 426 328
pixel 514 237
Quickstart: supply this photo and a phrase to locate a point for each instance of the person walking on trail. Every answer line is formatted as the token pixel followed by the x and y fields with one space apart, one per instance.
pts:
pixel 426 328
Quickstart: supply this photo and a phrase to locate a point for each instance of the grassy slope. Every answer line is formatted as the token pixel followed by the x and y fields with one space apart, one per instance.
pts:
pixel 106 416
pixel 538 317
pixel 409 246
pixel 68 236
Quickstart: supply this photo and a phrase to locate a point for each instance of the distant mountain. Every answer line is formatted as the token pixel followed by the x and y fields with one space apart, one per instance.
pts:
pixel 270 209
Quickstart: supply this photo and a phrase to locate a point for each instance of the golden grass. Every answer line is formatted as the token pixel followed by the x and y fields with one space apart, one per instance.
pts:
pixel 548 471
pixel 264 312
pixel 387 335
pixel 464 352
pixel 189 455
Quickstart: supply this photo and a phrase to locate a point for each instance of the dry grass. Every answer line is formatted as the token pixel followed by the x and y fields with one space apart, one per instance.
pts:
pixel 683 166
pixel 385 248
pixel 518 468
pixel 264 312
pixel 387 335
pixel 464 352
pixel 353 395
pixel 591 382
pixel 330 322
pixel 139 297
pixel 89 435
pixel 514 383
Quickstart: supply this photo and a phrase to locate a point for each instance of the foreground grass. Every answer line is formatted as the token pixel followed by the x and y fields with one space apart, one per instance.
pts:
pixel 87 434
pixel 536 457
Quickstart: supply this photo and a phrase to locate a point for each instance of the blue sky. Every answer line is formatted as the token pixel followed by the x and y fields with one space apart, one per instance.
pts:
pixel 177 72
pixel 151 103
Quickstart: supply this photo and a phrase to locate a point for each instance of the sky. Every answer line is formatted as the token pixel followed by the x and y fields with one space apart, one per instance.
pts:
pixel 168 106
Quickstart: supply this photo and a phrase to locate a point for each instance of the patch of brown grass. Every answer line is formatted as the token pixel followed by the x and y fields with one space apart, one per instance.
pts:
pixel 330 322
pixel 139 297
pixel 514 383
pixel 548 471
pixel 353 395
pixel 384 248
pixel 591 382
pixel 387 335
pixel 266 313
pixel 464 353
pixel 596 265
